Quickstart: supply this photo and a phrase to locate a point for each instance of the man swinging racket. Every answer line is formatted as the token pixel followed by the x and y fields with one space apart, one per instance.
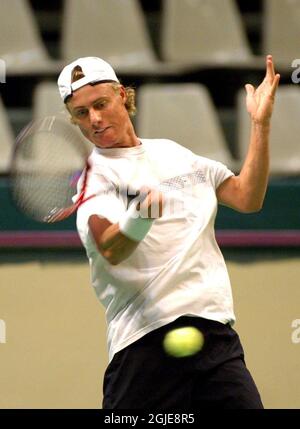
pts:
pixel 156 270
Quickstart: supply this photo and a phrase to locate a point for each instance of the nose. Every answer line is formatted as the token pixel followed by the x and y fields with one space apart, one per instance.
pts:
pixel 95 117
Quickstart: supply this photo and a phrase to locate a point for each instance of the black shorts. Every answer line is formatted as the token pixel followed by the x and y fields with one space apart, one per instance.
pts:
pixel 143 376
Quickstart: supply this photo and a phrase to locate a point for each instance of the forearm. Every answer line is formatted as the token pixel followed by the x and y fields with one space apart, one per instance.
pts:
pixel 120 240
pixel 111 243
pixel 246 192
pixel 116 242
pixel 253 178
pixel 115 246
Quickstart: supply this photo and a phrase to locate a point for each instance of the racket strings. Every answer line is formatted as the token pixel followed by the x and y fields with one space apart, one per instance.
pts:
pixel 45 170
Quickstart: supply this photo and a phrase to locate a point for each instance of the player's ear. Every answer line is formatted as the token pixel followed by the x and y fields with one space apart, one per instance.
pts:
pixel 123 93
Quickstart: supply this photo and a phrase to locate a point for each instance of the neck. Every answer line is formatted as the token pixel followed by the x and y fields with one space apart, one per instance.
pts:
pixel 129 139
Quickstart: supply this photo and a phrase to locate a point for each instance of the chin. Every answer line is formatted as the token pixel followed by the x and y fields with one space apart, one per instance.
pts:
pixel 105 145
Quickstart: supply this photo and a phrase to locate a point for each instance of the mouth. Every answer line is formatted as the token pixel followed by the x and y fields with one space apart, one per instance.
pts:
pixel 99 131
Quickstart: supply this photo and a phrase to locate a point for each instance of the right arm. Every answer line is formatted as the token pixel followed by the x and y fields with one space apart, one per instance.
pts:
pixel 113 245
pixel 112 242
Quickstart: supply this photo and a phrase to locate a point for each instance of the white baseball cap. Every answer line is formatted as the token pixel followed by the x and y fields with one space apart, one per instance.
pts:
pixel 95 70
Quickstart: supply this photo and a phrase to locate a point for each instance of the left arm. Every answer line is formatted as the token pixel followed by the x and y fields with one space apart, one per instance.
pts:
pixel 246 192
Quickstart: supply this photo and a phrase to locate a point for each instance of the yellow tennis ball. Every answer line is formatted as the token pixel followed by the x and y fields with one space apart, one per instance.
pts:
pixel 183 342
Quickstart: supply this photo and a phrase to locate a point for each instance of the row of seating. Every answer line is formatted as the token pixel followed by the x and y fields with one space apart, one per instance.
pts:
pixel 187 114
pixel 193 34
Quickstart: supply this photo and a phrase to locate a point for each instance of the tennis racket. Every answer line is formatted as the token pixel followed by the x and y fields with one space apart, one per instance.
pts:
pixel 50 155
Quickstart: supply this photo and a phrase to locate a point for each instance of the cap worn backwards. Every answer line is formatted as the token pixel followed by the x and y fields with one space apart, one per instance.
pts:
pixel 95 70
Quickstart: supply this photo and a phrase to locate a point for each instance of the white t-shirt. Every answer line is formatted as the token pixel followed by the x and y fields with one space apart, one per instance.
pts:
pixel 178 268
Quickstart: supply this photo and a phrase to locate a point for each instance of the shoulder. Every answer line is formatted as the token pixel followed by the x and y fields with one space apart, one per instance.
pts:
pixel 209 163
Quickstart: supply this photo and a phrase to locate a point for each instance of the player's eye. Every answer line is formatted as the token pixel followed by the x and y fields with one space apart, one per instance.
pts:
pixel 80 113
pixel 100 104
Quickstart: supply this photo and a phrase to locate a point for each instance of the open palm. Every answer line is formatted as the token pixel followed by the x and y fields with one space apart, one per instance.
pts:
pixel 260 101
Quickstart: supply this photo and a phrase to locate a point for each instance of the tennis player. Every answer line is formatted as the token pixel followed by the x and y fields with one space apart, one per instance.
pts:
pixel 155 263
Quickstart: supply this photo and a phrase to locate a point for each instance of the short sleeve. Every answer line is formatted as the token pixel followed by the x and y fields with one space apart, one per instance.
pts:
pixel 104 202
pixel 220 173
pixel 216 172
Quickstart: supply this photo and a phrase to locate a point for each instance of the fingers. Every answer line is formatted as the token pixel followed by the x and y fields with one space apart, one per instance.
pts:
pixel 250 89
pixel 270 83
pixel 275 84
pixel 155 204
pixel 152 205
pixel 270 72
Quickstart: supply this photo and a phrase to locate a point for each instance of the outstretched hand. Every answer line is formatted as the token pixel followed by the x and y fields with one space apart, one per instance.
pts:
pixel 260 101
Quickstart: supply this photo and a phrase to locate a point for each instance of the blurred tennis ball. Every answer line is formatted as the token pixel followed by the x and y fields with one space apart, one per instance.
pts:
pixel 183 342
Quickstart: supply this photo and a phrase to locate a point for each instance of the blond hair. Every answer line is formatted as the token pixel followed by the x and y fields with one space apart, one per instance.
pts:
pixel 77 74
